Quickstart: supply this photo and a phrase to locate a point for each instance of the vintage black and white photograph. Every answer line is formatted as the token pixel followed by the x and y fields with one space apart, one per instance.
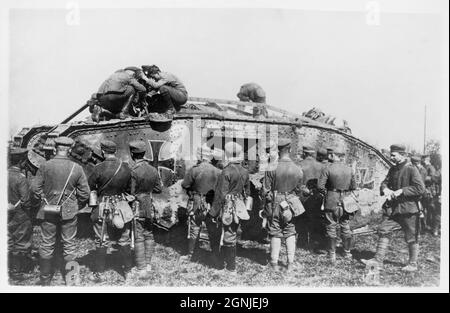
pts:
pixel 281 144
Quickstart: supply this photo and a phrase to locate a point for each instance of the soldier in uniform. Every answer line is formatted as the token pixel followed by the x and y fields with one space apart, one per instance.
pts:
pixel 111 179
pixel 280 185
pixel 432 193
pixel 144 181
pixel 252 92
pixel 62 182
pixel 402 188
pixel 337 181
pixel 310 197
pixel 330 155
pixel 20 228
pixel 322 156
pixel 415 160
pixel 233 185
pixel 171 89
pixel 117 94
pixel 199 183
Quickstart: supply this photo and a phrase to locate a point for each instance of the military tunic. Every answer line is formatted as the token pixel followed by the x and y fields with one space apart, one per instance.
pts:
pixel 335 182
pixel 144 181
pixel 48 184
pixel 404 210
pixel 234 180
pixel 286 179
pixel 200 182
pixel 20 228
pixel 119 184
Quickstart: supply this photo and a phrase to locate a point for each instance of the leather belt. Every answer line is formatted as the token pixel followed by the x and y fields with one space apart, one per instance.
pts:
pixel 338 190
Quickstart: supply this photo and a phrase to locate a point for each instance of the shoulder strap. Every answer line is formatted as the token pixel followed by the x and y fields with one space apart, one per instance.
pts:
pixel 111 178
pixel 65 185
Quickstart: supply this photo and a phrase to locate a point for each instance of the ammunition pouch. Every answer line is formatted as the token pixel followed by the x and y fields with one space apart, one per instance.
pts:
pixel 52 209
pixel 115 209
pixel 234 210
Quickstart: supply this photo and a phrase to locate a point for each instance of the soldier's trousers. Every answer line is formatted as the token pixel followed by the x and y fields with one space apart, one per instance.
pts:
pixel 114 102
pixel 51 229
pixel 194 227
pixel 20 231
pixel 112 235
pixel 408 222
pixel 337 218
pixel 173 97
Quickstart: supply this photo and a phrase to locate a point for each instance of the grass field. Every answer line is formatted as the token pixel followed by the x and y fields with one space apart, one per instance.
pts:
pixel 310 270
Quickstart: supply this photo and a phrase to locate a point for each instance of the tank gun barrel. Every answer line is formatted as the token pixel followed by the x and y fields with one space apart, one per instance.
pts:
pixel 70 117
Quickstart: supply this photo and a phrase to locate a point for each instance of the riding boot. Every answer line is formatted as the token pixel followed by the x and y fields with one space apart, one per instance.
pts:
pixel 230 258
pixel 127 262
pixel 100 265
pixel 45 267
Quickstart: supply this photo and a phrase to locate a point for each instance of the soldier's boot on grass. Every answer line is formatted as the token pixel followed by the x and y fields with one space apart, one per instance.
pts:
pixel 347 248
pixel 139 256
pixel 230 258
pixel 190 250
pixel 217 257
pixel 382 246
pixel 127 261
pixel 100 265
pixel 332 251
pixel 46 271
pixel 413 255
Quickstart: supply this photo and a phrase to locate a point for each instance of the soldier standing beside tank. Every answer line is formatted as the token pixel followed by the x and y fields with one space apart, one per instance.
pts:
pixel 199 183
pixel 336 182
pixel 310 197
pixel 111 179
pixel 59 182
pixel 20 228
pixel 281 187
pixel 144 181
pixel 402 187
pixel 432 193
pixel 232 187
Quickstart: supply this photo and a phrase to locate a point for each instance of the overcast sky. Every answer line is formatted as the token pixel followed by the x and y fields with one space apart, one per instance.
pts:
pixel 379 78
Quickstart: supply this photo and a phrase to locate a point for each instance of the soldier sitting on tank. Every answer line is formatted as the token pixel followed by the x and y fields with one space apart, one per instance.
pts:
pixel 252 92
pixel 118 95
pixel 164 87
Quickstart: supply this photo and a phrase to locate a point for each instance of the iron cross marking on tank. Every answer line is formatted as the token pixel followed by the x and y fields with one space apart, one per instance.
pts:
pixel 157 162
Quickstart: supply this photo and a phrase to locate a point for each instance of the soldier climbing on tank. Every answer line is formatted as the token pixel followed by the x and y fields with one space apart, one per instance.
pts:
pixel 166 87
pixel 252 92
pixel 118 95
